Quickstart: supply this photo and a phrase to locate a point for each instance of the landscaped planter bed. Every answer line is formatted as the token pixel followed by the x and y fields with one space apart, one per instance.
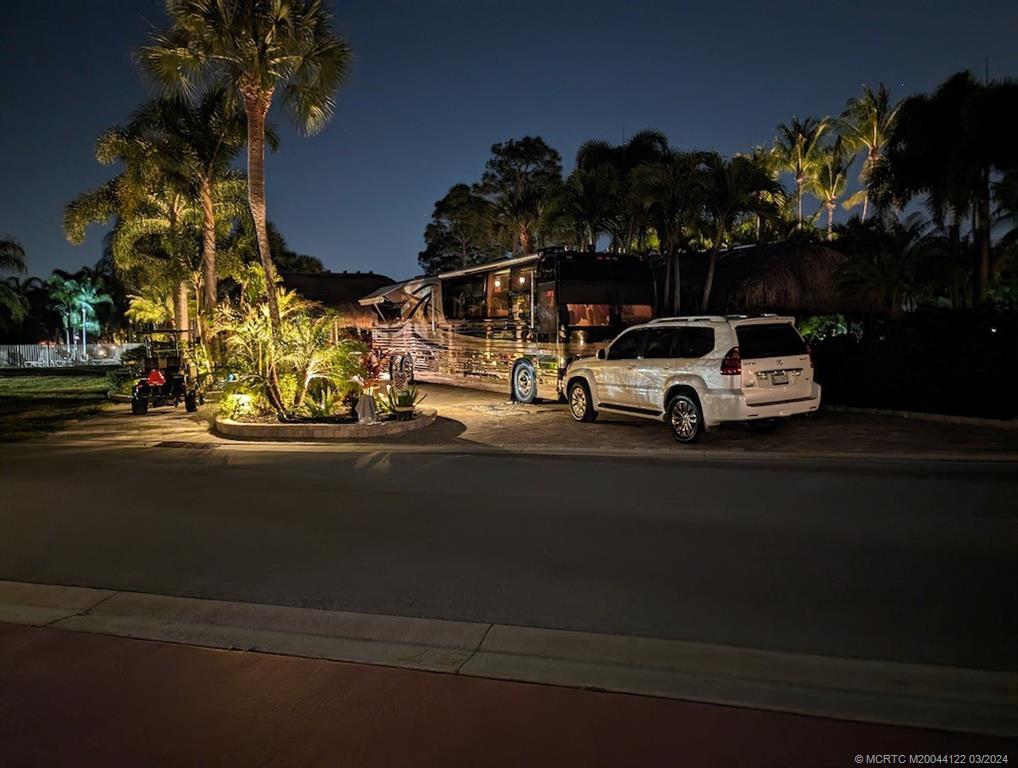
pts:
pixel 242 430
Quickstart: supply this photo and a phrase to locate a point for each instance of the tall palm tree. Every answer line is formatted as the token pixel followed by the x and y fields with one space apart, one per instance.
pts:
pixel 797 147
pixel 830 178
pixel 730 189
pixel 88 296
pixel 867 124
pixel 254 48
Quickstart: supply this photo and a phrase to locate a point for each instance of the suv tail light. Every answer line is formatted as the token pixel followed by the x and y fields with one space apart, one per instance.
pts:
pixel 731 365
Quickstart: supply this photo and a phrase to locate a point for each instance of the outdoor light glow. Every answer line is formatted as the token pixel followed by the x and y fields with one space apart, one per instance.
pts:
pixel 498 283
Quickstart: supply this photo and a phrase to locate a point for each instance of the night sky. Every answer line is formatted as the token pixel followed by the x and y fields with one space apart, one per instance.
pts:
pixel 436 82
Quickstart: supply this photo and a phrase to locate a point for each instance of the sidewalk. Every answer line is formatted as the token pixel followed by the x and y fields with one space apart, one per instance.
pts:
pixel 71 699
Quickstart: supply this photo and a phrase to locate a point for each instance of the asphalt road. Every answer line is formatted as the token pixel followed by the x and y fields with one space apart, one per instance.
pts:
pixel 898 561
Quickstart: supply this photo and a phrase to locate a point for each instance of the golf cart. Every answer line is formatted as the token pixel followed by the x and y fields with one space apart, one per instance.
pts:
pixel 168 376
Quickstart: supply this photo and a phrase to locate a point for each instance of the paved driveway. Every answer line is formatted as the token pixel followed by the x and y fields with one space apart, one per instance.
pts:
pixel 471 418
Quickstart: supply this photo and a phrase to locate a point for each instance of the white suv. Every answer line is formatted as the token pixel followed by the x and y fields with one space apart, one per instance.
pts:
pixel 696 372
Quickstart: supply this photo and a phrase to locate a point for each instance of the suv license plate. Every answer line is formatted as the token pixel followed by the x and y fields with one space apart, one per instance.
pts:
pixel 780 377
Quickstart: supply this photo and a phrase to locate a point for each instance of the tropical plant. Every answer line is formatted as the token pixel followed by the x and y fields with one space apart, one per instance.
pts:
pixel 830 178
pixel 669 194
pixel 587 203
pixel 88 296
pixel 731 189
pixel 12 298
pixel 63 292
pixel 887 259
pixel 279 369
pixel 946 146
pixel 254 49
pixel 197 141
pixel 867 124
pixel 401 402
pixel 797 148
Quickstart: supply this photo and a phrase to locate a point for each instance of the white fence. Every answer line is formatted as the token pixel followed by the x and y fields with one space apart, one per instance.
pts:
pixel 60 355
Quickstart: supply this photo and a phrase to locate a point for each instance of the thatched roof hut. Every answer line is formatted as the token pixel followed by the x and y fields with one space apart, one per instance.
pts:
pixel 340 291
pixel 793 277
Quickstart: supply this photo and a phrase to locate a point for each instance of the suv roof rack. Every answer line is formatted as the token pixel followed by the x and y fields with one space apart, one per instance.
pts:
pixel 689 318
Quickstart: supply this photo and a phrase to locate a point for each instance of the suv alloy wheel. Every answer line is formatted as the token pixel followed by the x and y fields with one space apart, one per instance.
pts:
pixel 685 418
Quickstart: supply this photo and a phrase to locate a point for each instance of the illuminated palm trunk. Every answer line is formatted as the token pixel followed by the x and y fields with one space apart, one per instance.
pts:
pixel 256 106
pixel 208 254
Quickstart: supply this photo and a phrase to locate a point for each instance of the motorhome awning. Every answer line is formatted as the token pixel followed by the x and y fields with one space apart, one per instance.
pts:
pixel 393 294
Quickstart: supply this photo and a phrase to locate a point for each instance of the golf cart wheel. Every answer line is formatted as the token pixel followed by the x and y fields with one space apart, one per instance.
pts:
pixel 685 418
pixel 139 406
pixel 191 402
pixel 580 405
pixel 524 383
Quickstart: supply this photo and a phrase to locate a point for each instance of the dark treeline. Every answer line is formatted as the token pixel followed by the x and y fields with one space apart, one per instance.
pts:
pixel 933 215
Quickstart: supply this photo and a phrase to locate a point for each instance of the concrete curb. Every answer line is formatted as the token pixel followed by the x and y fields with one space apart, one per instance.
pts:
pixel 942 418
pixel 943 698
pixel 229 428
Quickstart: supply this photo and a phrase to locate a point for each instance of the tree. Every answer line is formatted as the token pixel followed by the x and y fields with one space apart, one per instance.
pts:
pixel 519 181
pixel 199 140
pixel 867 124
pixel 63 294
pixel 731 189
pixel 86 298
pixel 886 260
pixel 459 233
pixel 830 178
pixel 254 48
pixel 588 202
pixel 12 298
pixel 946 146
pixel 797 148
pixel 628 222
pixel 667 191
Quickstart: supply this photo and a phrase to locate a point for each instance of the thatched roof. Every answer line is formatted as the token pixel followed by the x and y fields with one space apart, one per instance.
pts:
pixel 798 278
pixel 339 290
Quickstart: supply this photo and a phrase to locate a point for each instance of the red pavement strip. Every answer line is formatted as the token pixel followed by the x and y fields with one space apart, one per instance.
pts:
pixel 74 699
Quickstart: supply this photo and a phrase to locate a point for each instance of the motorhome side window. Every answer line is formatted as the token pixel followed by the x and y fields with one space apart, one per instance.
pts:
pixel 498 294
pixel 521 283
pixel 463 298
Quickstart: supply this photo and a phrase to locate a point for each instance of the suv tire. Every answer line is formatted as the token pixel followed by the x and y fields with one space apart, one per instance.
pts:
pixel 139 406
pixel 191 402
pixel 685 418
pixel 580 405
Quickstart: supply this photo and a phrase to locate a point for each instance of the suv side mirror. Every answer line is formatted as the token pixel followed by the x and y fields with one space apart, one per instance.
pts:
pixel 602 354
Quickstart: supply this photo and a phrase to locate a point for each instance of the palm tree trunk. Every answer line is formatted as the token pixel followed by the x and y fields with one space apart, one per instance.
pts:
pixel 180 313
pixel 798 203
pixel 830 220
pixel 865 205
pixel 256 106
pixel 208 253
pixel 981 228
pixel 708 284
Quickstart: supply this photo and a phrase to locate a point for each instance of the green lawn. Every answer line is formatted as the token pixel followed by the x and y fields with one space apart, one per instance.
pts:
pixel 34 406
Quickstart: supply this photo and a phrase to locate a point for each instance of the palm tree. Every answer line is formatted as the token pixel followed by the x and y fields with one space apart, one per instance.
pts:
pixel 830 178
pixel 254 48
pixel 87 297
pixel 645 147
pixel 12 299
pixel 667 192
pixel 198 141
pixel 731 189
pixel 62 295
pixel 587 202
pixel 797 148
pixel 867 123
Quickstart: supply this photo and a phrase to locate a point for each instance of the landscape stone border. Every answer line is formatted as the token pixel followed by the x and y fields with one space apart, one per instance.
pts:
pixel 240 430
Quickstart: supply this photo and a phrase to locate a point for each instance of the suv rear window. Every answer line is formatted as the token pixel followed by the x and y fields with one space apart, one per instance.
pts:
pixel 769 340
